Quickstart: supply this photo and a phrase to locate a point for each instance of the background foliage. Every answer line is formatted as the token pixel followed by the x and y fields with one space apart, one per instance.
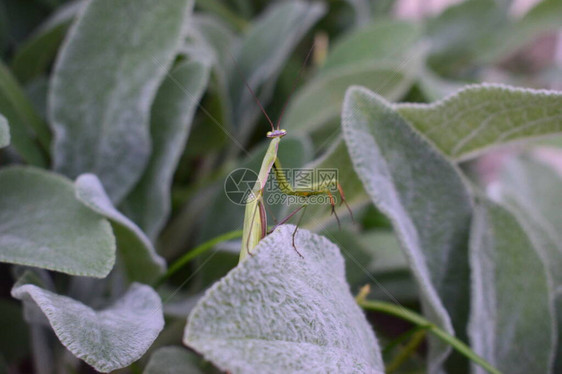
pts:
pixel 119 122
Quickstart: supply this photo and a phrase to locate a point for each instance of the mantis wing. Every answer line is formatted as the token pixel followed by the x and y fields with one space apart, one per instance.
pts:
pixel 255 218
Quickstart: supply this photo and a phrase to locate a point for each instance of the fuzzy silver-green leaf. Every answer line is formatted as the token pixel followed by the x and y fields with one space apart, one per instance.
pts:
pixel 107 339
pixel 140 260
pixel 43 225
pixel 426 200
pixel 483 116
pixel 103 84
pixel 278 312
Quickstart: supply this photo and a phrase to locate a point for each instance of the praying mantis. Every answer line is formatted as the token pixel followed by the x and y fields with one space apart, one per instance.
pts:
pixel 255 217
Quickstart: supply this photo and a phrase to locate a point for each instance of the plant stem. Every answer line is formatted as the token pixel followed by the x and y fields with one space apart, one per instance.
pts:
pixel 202 248
pixel 405 336
pixel 401 312
pixel 406 352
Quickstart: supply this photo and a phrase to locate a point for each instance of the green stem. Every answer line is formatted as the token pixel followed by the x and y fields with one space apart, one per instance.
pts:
pixel 402 338
pixel 202 248
pixel 408 350
pixel 400 312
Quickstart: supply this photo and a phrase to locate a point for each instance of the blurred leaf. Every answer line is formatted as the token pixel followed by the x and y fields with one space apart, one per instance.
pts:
pixel 224 14
pixel 387 66
pixel 179 304
pixel 216 38
pixel 370 218
pixel 213 40
pixel 537 190
pixel 462 32
pixel 425 198
pixel 37 91
pixel 262 54
pixel 22 18
pixel 42 349
pixel 435 87
pixel 362 10
pixel 14 334
pixel 382 7
pixel 36 54
pixel 477 32
pixel 42 225
pixel 479 117
pixel 104 81
pixel 108 339
pixel 3 40
pixel 279 310
pixel 511 322
pixel 140 260
pixel 172 112
pixel 356 256
pixel 370 257
pixel 533 191
pixel 172 360
pixel 320 100
pixel 543 17
pixel 386 40
pixel 25 124
pixel 384 247
pixel 4 132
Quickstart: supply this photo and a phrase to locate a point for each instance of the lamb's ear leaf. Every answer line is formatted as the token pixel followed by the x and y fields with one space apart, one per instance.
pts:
pixel 36 54
pixel 425 198
pixel 388 40
pixel 101 119
pixel 388 68
pixel 278 309
pixel 461 32
pixel 26 126
pixel 482 116
pixel 14 332
pixel 173 359
pixel 319 102
pixel 43 225
pixel 533 192
pixel 148 204
pixel 511 307
pixel 263 52
pixel 542 18
pixel 107 339
pixel 140 260
pixel 480 32
pixel 4 132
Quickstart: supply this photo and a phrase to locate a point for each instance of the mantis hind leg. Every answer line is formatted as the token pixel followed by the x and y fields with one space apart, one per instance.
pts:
pixel 284 220
pixel 295 232
pixel 344 201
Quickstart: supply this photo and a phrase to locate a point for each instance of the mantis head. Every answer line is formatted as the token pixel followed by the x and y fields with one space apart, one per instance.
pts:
pixel 276 133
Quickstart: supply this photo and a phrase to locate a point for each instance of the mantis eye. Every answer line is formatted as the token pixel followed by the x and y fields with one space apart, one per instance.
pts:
pixel 268 133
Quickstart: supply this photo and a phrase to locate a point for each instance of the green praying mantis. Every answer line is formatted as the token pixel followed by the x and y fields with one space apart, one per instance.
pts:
pixel 255 217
